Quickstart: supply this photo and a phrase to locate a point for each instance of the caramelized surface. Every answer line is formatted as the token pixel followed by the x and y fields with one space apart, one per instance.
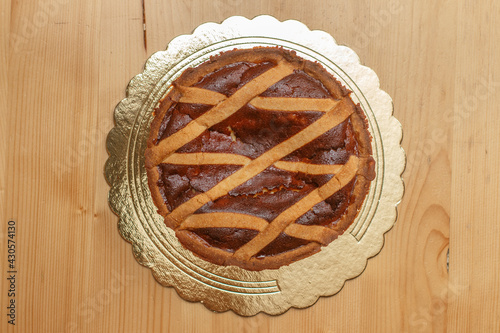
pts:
pixel 251 132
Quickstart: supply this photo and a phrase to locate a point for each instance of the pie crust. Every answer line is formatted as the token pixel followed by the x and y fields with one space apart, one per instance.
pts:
pixel 257 158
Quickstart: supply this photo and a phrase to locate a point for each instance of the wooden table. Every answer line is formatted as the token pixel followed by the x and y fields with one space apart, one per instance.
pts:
pixel 63 68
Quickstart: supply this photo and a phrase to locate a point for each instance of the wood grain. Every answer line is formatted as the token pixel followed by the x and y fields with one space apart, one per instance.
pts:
pixel 63 68
pixel 4 143
pixel 474 248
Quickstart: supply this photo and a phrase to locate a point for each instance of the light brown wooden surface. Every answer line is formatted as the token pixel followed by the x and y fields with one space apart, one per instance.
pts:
pixel 64 66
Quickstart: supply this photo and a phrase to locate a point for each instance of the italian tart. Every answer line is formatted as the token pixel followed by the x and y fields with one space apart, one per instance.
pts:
pixel 258 158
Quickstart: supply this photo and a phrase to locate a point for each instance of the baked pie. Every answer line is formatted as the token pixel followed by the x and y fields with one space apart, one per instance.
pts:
pixel 257 158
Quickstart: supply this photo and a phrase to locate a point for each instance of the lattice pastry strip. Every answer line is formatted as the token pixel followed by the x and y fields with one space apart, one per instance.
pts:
pixel 235 159
pixel 218 113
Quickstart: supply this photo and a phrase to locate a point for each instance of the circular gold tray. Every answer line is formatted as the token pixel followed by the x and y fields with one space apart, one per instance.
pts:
pixel 232 288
